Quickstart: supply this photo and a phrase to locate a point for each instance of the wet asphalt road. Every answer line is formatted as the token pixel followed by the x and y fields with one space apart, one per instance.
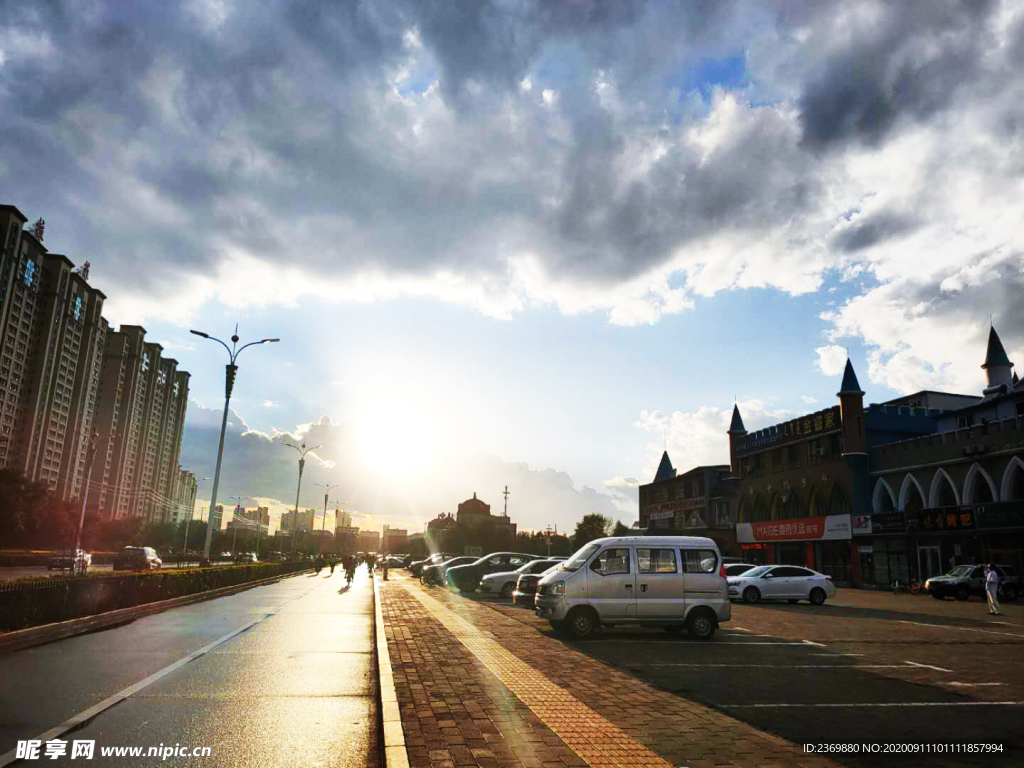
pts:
pixel 296 688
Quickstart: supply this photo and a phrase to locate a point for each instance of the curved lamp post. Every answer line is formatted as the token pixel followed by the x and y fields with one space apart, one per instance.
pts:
pixel 229 383
pixel 302 465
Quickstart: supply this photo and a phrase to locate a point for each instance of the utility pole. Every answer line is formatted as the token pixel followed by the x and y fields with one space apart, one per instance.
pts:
pixel 191 513
pixel 506 494
pixel 89 457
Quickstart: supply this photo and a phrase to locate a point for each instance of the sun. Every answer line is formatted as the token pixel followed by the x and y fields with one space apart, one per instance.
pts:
pixel 395 439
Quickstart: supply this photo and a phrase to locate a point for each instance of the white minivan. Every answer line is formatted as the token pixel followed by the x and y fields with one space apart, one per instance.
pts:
pixel 673 582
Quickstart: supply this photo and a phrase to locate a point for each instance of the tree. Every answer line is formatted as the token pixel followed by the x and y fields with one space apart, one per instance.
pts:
pixel 621 529
pixel 592 526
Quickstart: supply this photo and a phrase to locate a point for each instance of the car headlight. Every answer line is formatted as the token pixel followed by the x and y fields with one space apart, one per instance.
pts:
pixel 928 584
pixel 558 588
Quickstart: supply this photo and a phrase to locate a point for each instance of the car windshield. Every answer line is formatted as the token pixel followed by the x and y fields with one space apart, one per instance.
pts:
pixel 961 570
pixel 753 573
pixel 576 562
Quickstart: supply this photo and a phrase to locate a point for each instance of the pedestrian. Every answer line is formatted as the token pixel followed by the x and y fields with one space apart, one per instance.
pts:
pixel 992 589
pixel 332 562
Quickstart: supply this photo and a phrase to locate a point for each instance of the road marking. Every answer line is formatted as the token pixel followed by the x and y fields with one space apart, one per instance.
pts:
pixel 811 642
pixel 886 704
pixel 973 685
pixel 962 629
pixel 929 666
pixel 87 714
pixel 837 654
pixel 703 643
pixel 595 739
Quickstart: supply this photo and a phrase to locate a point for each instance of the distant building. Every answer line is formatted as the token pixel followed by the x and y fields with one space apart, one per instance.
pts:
pixel 247 519
pixel 369 541
pixel 473 513
pixel 298 523
pixel 342 519
pixel 395 540
pixel 217 518
pixel 694 503
pixel 441 523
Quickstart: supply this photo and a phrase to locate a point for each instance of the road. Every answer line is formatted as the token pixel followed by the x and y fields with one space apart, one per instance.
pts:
pixel 276 675
pixel 867 668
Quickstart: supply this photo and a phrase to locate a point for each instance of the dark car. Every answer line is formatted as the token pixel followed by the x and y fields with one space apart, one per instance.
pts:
pixel 466 578
pixel 417 566
pixel 434 574
pixel 137 559
pixel 966 580
pixel 526 585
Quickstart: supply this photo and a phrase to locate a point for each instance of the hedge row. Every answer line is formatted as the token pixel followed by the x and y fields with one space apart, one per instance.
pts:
pixel 34 602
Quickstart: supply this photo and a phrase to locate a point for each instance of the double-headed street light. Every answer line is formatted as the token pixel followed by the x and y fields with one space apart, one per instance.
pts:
pixel 302 465
pixel 323 524
pixel 229 382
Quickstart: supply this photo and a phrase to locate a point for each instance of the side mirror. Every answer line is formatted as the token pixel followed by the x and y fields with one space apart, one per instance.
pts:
pixel 767 576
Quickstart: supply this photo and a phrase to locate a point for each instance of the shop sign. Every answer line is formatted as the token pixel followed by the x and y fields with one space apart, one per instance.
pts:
pixel 801 529
pixel 665 514
pixel 889 522
pixel 939 519
pixel 1001 514
pixel 867 549
pixel 861 525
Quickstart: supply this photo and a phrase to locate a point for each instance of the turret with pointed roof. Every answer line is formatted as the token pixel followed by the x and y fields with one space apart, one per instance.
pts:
pixel 851 413
pixel 736 427
pixel 850 385
pixel 997 365
pixel 665 469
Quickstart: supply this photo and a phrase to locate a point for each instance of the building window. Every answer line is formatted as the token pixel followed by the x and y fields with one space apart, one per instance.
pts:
pixel 77 311
pixel 30 272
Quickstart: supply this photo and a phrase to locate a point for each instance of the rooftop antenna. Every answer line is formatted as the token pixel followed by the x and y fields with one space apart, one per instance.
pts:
pixel 505 494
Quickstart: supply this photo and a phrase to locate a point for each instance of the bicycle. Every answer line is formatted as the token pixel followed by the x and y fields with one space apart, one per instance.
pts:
pixel 906 588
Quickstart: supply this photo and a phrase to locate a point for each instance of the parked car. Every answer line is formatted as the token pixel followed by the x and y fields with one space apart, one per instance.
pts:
pixel 966 580
pixel 791 583
pixel 137 559
pixel 673 582
pixel 435 574
pixel 735 569
pixel 246 558
pixel 732 560
pixel 393 562
pixel 526 585
pixel 418 565
pixel 466 578
pixel 61 560
pixel 503 583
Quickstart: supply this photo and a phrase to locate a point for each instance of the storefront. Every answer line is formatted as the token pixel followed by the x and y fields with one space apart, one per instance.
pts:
pixel 882 549
pixel 821 543
pixel 1001 530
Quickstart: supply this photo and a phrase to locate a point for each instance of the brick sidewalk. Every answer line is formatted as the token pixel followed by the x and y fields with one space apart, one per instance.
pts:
pixel 456 711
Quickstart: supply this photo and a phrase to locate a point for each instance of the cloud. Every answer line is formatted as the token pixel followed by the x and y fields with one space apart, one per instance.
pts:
pixel 831 360
pixel 271 404
pixel 807 399
pixel 260 465
pixel 875 142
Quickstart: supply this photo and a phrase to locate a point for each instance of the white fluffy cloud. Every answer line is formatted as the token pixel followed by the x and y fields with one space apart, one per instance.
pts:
pixel 831 359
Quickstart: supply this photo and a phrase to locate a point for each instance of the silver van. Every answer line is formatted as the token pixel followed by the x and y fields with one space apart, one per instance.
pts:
pixel 674 582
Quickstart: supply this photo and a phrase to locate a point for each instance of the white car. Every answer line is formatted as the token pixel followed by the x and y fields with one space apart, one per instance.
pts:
pixel 736 569
pixel 504 583
pixel 781 582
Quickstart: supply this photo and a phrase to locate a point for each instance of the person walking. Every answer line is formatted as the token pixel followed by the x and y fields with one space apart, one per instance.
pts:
pixel 992 589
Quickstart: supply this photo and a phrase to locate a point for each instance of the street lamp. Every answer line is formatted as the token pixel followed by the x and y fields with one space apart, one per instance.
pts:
pixel 90 455
pixel 323 524
pixel 191 513
pixel 302 465
pixel 229 382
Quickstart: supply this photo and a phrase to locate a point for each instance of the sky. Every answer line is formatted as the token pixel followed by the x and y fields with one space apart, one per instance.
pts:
pixel 525 243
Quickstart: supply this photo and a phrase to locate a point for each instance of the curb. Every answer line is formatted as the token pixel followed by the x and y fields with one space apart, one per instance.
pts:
pixel 28 638
pixel 395 753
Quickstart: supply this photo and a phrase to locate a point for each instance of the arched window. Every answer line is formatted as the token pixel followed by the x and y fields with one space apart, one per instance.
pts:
pixel 943 494
pixel 814 508
pixel 760 512
pixel 882 499
pixel 837 503
pixel 777 512
pixel 1013 480
pixel 910 493
pixel 978 486
pixel 795 507
pixel 744 513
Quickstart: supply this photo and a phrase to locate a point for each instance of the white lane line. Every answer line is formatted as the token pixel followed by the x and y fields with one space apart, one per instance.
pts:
pixel 741 629
pixel 929 666
pixel 886 704
pixel 817 645
pixel 705 644
pixel 830 655
pixel 972 685
pixel 962 629
pixel 107 703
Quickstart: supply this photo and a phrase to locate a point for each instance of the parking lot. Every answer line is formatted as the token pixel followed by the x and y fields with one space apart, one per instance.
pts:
pixel 866 668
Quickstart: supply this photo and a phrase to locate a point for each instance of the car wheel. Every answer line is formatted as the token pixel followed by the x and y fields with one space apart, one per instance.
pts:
pixel 1010 593
pixel 674 629
pixel 751 595
pixel 701 625
pixel 817 596
pixel 792 602
pixel 962 592
pixel 581 623
pixel 506 591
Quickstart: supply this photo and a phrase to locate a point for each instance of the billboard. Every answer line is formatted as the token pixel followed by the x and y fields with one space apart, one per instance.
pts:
pixel 826 528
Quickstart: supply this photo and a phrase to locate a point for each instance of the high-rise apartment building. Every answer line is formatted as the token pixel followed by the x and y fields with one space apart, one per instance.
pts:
pixel 51 327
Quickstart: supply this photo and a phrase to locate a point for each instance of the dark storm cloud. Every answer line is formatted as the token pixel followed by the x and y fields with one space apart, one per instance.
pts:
pixel 158 135
pixel 876 229
pixel 907 65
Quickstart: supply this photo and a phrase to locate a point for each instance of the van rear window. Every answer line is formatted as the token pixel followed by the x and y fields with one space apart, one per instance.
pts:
pixel 700 560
